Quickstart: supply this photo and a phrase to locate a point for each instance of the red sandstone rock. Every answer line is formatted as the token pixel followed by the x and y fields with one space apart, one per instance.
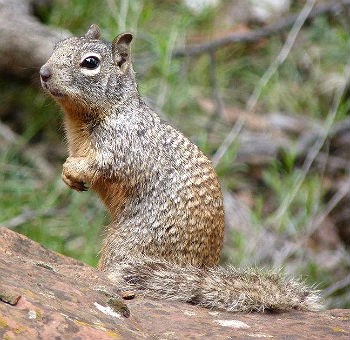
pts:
pixel 58 297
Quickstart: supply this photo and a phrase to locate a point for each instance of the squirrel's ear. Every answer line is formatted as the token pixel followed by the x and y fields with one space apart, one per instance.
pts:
pixel 93 32
pixel 121 50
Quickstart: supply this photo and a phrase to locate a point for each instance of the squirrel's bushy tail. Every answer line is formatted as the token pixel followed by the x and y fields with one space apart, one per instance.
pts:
pixel 224 288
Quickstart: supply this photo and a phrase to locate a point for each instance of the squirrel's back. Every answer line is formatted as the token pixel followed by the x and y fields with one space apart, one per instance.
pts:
pixel 173 208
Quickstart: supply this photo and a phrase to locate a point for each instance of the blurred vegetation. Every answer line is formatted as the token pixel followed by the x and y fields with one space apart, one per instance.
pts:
pixel 70 222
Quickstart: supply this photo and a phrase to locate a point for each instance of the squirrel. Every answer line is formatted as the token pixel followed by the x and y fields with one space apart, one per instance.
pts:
pixel 162 193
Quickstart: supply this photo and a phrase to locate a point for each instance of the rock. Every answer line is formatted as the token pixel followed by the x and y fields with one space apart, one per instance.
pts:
pixel 47 295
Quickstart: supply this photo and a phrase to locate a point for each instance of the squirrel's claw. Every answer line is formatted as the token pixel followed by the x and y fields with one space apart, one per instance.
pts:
pixel 76 185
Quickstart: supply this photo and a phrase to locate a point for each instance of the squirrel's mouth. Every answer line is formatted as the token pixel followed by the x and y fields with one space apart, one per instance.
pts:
pixel 53 91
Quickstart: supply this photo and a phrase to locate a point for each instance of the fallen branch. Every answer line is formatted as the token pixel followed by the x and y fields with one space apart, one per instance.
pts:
pixel 25 42
pixel 258 34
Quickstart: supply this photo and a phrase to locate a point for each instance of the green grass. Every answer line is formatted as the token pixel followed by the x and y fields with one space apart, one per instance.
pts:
pixel 172 86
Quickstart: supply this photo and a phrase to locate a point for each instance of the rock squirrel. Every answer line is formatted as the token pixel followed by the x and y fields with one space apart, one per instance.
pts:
pixel 162 192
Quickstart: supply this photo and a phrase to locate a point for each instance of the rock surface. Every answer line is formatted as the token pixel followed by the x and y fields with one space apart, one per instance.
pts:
pixel 49 296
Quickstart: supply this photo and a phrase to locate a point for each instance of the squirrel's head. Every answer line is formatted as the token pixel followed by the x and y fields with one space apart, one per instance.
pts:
pixel 87 73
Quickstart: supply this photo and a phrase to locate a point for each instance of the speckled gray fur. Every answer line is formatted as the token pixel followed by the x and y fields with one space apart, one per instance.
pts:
pixel 162 192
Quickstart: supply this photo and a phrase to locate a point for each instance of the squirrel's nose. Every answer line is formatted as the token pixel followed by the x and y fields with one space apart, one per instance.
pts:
pixel 45 73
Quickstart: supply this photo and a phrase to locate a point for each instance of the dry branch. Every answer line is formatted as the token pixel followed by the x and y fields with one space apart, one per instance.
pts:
pixel 258 34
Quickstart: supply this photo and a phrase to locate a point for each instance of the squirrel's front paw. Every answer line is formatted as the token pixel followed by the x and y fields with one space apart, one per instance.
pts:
pixel 74 184
pixel 74 173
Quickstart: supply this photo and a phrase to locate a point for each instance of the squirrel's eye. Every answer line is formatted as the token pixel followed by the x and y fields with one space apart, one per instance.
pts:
pixel 90 63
